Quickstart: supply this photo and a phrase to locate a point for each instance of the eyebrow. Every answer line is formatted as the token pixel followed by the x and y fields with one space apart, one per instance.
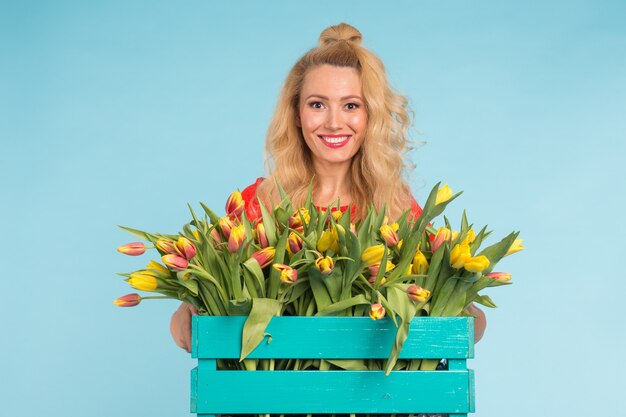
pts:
pixel 341 99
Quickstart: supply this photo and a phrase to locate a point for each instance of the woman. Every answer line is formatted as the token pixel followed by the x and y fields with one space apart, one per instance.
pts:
pixel 338 123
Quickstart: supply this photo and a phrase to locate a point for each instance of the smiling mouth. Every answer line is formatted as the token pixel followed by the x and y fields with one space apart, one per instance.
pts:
pixel 334 141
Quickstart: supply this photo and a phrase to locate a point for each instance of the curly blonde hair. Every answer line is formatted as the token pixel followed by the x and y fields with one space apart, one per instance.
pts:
pixel 377 170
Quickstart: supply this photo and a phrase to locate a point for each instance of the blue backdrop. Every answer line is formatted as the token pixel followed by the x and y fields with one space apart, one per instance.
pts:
pixel 122 112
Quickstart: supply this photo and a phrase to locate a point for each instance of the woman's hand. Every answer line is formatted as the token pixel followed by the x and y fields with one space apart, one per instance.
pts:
pixel 180 326
pixel 480 321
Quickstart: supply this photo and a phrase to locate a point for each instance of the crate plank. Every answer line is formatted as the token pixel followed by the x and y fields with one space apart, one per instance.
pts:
pixel 337 338
pixel 293 392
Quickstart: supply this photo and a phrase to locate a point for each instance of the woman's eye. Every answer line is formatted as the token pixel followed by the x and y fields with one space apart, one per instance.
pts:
pixel 316 105
pixel 352 106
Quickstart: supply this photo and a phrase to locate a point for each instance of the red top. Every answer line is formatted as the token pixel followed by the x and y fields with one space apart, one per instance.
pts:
pixel 253 209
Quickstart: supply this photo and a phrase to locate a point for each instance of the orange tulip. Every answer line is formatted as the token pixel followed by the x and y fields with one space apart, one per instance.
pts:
pixel 294 243
pixel 417 293
pixel 128 300
pixel 260 235
pixel 389 235
pixel 226 225
pixel 264 256
pixel 175 262
pixel 235 204
pixel 377 311
pixel 499 276
pixel 166 246
pixel 236 238
pixel 132 249
pixel 185 248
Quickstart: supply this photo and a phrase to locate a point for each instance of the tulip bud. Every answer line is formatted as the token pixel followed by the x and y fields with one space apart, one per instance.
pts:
pixel 500 276
pixel 325 264
pixel 264 256
pixel 337 214
pixel 373 254
pixel 175 262
pixel 389 235
pixel 215 236
pixel 515 247
pixel 236 238
pixel 420 264
pixel 142 282
pixel 157 270
pixel 260 235
pixel 417 293
pixel 185 248
pixel 294 243
pixel 443 234
pixel 288 275
pixel 459 254
pixel 476 264
pixel 443 194
pixel 235 204
pixel 328 240
pixel 166 246
pixel 132 249
pixel 226 225
pixel 196 235
pixel 373 270
pixel 470 236
pixel 377 311
pixel 128 300
pixel 295 221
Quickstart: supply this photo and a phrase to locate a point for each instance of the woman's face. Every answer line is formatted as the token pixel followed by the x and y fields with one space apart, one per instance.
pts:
pixel 332 115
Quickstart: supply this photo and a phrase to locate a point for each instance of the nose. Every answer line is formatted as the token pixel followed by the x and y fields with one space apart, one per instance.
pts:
pixel 333 119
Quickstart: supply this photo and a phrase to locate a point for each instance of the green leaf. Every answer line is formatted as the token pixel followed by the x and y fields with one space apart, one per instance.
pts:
pixel 263 309
pixel 485 300
pixel 343 305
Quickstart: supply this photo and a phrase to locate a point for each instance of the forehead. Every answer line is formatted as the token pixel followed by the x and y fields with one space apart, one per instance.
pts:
pixel 331 81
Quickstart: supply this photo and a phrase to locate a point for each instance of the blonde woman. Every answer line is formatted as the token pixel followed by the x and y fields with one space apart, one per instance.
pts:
pixel 339 124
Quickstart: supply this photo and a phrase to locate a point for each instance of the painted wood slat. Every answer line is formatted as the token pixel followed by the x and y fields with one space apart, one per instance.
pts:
pixel 294 392
pixel 336 337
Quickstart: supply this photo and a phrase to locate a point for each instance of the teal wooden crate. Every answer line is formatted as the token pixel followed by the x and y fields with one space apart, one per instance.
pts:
pixel 323 392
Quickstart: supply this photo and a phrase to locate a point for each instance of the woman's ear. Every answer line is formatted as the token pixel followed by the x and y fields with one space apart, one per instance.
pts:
pixel 298 123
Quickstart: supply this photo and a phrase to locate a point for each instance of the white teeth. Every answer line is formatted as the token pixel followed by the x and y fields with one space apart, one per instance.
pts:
pixel 338 139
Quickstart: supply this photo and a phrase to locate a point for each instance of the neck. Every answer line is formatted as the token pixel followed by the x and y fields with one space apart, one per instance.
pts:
pixel 333 182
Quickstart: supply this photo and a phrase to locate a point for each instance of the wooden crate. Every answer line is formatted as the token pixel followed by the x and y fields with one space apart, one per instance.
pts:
pixel 300 392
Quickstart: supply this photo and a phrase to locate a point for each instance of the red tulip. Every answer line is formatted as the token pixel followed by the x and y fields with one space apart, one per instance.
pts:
pixel 128 300
pixel 175 262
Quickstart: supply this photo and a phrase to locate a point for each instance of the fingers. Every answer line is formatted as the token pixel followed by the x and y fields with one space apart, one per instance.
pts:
pixel 180 326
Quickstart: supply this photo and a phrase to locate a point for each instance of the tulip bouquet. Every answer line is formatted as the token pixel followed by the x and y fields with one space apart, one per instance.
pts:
pixel 307 261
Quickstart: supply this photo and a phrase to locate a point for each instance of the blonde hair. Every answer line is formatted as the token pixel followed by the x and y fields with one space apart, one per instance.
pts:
pixel 378 168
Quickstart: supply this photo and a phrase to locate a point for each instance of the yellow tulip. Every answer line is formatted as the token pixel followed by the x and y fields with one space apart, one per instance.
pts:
pixel 476 264
pixel 142 282
pixel 443 194
pixel 515 247
pixel 328 240
pixel 165 246
pixel 420 264
pixel 288 275
pixel 325 264
pixel 459 254
pixel 373 254
pixel 157 270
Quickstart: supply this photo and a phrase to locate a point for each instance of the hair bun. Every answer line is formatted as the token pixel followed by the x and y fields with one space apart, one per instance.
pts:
pixel 340 32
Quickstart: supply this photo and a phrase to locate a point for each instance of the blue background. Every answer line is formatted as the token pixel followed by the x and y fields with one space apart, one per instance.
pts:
pixel 122 112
